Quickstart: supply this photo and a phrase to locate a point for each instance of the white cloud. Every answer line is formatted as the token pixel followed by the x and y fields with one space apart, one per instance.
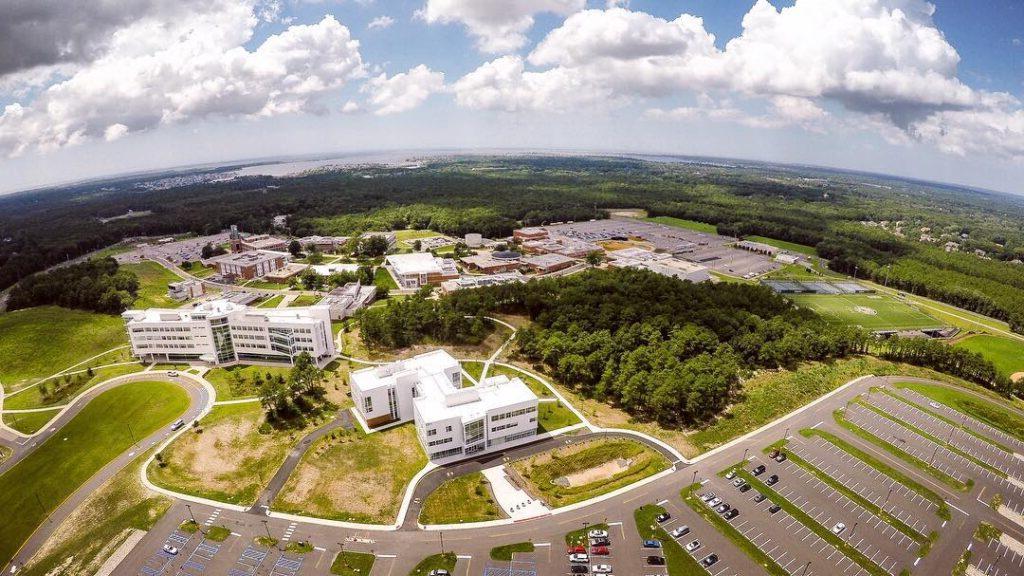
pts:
pixel 499 26
pixel 114 132
pixel 350 107
pixel 158 72
pixel 404 91
pixel 380 23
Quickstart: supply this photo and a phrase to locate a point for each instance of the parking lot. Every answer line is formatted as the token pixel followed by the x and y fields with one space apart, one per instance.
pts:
pixel 731 561
pixel 968 421
pixel 995 559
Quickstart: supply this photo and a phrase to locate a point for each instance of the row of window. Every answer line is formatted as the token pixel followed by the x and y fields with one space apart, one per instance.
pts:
pixel 513 413
pixel 162 329
pixel 512 437
pixel 446 453
pixel 438 442
pixel 504 426
pixel 158 345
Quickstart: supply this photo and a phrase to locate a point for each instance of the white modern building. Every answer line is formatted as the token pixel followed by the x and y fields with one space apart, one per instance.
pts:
pixel 346 300
pixel 223 332
pixel 185 290
pixel 454 418
pixel 420 269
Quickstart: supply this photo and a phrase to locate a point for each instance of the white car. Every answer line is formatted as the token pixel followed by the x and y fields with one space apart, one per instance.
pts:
pixel 714 502
pixel 838 528
pixel 597 534
pixel 692 546
pixel 601 569
pixel 680 531
pixel 935 405
pixel 730 474
pixel 172 373
pixel 170 549
pixel 579 558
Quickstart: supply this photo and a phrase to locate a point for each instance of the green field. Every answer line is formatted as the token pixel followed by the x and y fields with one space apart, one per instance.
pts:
pixel 57 338
pixel 383 279
pixel 474 369
pixel 271 302
pixel 463 499
pixel 1007 354
pixel 352 563
pixel 305 300
pixel 88 442
pixel 33 397
pixel 153 281
pixel 553 416
pixel 791 246
pixel 236 382
pixel 688 224
pixel 30 422
pixel 870 311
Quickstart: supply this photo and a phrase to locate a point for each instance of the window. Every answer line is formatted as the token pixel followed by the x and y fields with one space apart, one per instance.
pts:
pixel 447 428
pixel 432 432
pixel 367 404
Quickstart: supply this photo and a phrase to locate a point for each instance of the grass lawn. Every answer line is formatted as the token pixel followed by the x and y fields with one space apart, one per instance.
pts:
pixel 504 553
pixel 382 278
pixel 85 540
pixel 578 537
pixel 1006 353
pixel 587 469
pixel 791 246
pixel 238 381
pixel 352 476
pixel 553 416
pixel 410 235
pixel 352 563
pixel 30 422
pixel 678 561
pixel 5 453
pixel 57 337
pixel 86 444
pixel 32 397
pixel 271 302
pixel 474 369
pixel 464 499
pixel 988 412
pixel 444 561
pixel 535 385
pixel 153 281
pixel 230 461
pixel 690 498
pixel 305 300
pixel 267 285
pixel 688 224
pixel 870 311
pixel 883 467
pixel 200 271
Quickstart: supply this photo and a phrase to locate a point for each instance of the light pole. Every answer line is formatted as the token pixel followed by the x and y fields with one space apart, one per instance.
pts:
pixel 745 450
pixel 934 452
pixel 131 433
pixel 887 498
pixel 192 516
pixel 441 535
pixel 786 435
pixel 806 566
pixel 694 481
pixel 853 530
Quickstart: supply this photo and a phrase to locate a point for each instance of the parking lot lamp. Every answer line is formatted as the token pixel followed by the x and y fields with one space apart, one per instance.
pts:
pixel 887 498
pixel 854 530
pixel 745 450
pixel 934 452
pixel 441 534
pixel 190 515
pixel 786 435
pixel 694 481
pixel 808 565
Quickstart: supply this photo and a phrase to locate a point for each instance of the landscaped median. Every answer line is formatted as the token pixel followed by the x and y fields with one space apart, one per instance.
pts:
pixel 678 561
pixel 352 563
pixel 586 469
pixel 463 499
pixel 445 561
pixel 508 551
pixel 986 411
pixel 958 425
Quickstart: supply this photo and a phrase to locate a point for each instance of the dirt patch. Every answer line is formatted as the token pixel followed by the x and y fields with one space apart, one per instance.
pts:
pixel 1017 376
pixel 865 310
pixel 602 472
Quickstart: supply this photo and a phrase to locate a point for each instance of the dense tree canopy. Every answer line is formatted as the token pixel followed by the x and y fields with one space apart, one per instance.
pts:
pixel 96 285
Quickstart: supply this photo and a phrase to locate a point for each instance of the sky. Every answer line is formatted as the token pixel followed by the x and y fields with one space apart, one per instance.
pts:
pixel 930 90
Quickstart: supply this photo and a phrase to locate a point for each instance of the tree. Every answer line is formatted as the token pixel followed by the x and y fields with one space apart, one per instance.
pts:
pixel 417 246
pixel 211 250
pixel 314 255
pixel 295 248
pixel 305 377
pixel 594 258
pixel 372 246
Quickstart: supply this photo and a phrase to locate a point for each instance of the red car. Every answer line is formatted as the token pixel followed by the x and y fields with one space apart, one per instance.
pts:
pixel 576 550
pixel 599 551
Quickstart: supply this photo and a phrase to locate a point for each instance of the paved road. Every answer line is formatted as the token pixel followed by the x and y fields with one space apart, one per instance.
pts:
pixel 199 399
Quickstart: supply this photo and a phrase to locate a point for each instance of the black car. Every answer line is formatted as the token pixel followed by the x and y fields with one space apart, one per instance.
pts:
pixel 663 517
pixel 775 508
pixel 656 560
pixel 745 488
pixel 723 508
pixel 709 560
pixel 772 480
pixel 759 498
pixel 759 470
pixel 731 514
pixel 579 569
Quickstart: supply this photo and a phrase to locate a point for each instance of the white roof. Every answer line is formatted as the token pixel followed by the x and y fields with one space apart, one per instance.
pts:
pixel 441 401
pixel 215 309
pixel 328 269
pixel 415 263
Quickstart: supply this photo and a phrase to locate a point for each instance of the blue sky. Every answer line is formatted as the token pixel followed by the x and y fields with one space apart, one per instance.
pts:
pixel 892 88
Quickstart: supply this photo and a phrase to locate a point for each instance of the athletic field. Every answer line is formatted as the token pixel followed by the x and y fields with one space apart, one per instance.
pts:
pixel 870 311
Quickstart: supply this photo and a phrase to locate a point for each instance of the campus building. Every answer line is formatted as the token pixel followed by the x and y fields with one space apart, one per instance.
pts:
pixel 346 300
pixel 223 332
pixel 454 419
pixel 185 290
pixel 249 265
pixel 258 242
pixel 420 269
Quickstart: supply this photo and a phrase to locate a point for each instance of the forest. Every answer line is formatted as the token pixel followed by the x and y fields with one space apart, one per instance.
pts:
pixel 661 349
pixel 492 195
pixel 97 285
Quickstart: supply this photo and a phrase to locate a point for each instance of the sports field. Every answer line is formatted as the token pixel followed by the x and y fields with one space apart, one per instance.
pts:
pixel 870 311
pixel 1007 354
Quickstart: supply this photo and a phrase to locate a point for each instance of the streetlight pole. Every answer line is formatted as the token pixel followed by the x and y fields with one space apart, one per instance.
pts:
pixel 786 435
pixel 441 535
pixel 887 498
pixel 806 566
pixel 854 530
pixel 745 450
pixel 934 452
pixel 694 481
pixel 192 516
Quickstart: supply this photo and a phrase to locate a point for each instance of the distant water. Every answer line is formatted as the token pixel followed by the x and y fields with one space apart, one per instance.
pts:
pixel 279 169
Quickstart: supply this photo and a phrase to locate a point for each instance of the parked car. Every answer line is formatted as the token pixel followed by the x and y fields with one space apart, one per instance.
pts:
pixel 579 558
pixel 772 480
pixel 170 549
pixel 759 470
pixel 759 498
pixel 738 482
pixel 707 496
pixel 652 544
pixel 600 542
pixel 838 528
pixel 775 508
pixel 781 457
pixel 599 551
pixel 745 488
pixel 656 560
pixel 722 508
pixel 730 474
pixel 576 550
pixel 597 534
pixel 172 373
pixel 692 546
pixel 579 569
pixel 709 560
pixel 714 502
pixel 773 453
pixel 935 405
pixel 731 514
pixel 178 425
pixel 440 572
pixel 601 569
pixel 663 517
pixel 681 531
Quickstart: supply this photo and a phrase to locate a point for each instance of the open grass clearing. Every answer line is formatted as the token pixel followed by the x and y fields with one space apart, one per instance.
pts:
pixel 356 477
pixel 506 552
pixel 304 300
pixel 474 369
pixel 580 471
pixel 1006 353
pixel 678 561
pixel 687 224
pixel 30 422
pixel 153 281
pixel 383 279
pixel 352 563
pixel 942 511
pixel 466 498
pixel 689 495
pixel 267 285
pixel 64 389
pixel 271 302
pixel 553 416
pixel 985 411
pixel 790 246
pixel 531 382
pixel 414 234
pixel 869 311
pixel 234 382
pixel 40 482
pixel 444 561
pixel 231 460
pixel 58 338
pixel 86 538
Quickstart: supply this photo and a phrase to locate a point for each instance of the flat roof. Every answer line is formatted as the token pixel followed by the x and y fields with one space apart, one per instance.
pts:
pixel 247 258
pixel 416 263
pixel 547 259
